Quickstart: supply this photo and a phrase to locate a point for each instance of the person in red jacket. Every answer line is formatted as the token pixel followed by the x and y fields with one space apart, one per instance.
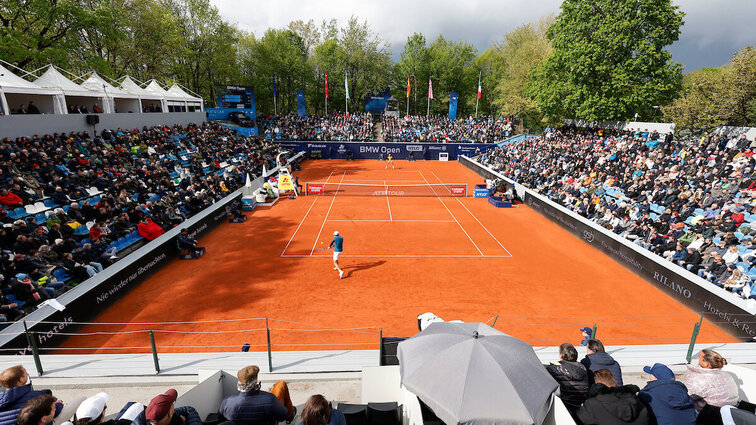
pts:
pixel 10 199
pixel 148 229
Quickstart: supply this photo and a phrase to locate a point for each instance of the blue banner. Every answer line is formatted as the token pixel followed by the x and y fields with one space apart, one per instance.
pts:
pixel 420 151
pixel 453 97
pixel 300 102
pixel 222 113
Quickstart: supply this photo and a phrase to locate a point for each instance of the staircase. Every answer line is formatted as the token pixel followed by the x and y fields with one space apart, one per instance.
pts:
pixel 377 128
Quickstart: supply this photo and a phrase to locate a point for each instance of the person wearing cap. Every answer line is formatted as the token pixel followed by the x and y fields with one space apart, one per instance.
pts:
pixel 597 358
pixel 28 292
pixel 338 247
pixel 668 399
pixel 162 411
pixel 252 406
pixel 587 332
pixel 91 411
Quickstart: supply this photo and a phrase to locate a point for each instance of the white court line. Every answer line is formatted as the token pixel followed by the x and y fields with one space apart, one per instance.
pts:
pixel 476 218
pixel 414 221
pixel 378 180
pixel 303 219
pixel 391 218
pixel 327 212
pixel 447 209
pixel 398 171
pixel 397 256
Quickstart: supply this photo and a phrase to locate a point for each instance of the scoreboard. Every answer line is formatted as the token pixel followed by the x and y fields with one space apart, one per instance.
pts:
pixel 236 97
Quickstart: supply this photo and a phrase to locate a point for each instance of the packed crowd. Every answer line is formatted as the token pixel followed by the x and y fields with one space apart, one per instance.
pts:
pixel 441 129
pixel 96 191
pixel 592 390
pixel 347 128
pixel 691 202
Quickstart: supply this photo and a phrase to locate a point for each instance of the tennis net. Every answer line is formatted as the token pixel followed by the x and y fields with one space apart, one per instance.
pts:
pixel 355 189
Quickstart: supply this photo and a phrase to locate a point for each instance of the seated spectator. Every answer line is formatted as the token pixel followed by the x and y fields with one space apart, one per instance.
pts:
pixel 9 311
pixel 18 392
pixel 39 410
pixel 26 291
pixel 10 200
pixel 573 378
pixel 251 406
pixel 610 404
pixel 597 358
pixel 587 332
pixel 668 399
pixel 162 411
pixel 149 230
pixel 317 411
pixel 708 384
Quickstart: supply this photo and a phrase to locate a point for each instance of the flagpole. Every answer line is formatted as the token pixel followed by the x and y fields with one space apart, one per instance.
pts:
pixel 326 106
pixel 427 111
pixel 275 106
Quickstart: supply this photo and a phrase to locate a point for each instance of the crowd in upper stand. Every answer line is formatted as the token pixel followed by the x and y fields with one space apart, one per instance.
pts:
pixel 70 202
pixel 342 127
pixel 441 129
pixel 689 201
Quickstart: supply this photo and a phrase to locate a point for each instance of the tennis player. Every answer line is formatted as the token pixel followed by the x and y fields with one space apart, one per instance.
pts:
pixel 390 162
pixel 338 247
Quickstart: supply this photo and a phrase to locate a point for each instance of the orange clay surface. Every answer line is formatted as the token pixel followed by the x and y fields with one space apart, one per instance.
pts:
pixel 459 258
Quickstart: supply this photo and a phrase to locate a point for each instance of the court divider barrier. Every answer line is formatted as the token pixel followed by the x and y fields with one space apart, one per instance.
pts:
pixel 730 312
pixel 96 294
pixel 369 150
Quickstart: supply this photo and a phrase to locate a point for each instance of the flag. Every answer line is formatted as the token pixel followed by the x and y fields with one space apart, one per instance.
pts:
pixel 275 93
pixel 346 85
pixel 480 91
pixel 408 86
pixel 326 85
pixel 430 89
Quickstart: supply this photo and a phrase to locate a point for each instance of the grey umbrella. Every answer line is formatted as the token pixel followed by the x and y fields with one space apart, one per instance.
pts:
pixel 471 373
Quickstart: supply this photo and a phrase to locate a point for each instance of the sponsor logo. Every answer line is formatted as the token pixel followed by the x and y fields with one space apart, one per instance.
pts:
pixel 388 192
pixel 443 148
pixel 414 148
pixel 588 235
pixel 685 292
pixel 379 149
pixel 317 146
pixel 42 337
pixel 341 150
pixel 458 190
pixel 318 188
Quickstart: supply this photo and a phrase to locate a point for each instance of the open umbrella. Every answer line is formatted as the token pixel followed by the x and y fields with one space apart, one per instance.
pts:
pixel 471 373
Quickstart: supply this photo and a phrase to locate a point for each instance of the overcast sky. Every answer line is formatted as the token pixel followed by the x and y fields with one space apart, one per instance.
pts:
pixel 713 30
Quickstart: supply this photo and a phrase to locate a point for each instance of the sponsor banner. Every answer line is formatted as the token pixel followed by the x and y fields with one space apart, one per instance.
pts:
pixel 420 151
pixel 222 113
pixel 453 98
pixel 725 309
pixel 458 190
pixel 300 103
pixel 284 182
pixel 314 189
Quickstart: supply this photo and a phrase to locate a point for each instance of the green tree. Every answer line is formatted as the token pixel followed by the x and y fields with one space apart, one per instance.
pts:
pixel 414 63
pixel 609 60
pixel 718 96
pixel 366 61
pixel 451 68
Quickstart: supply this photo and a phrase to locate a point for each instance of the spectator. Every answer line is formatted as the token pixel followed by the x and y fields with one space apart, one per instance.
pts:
pixel 708 384
pixel 597 358
pixel 573 378
pixel 317 411
pixel 18 392
pixel 32 109
pixel 667 399
pixel 162 411
pixel 10 200
pixel 26 291
pixel 251 406
pixel 610 404
pixel 40 410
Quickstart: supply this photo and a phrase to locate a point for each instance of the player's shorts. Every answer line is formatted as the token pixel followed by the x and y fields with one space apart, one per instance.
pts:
pixel 336 255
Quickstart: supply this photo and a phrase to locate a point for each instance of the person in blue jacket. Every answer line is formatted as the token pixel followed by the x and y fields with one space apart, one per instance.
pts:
pixel 18 390
pixel 318 411
pixel 597 358
pixel 668 399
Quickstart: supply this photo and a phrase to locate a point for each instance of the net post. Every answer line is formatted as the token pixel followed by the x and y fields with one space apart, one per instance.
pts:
pixel 493 325
pixel 270 356
pixel 693 337
pixel 34 349
pixel 154 352
pixel 593 335
pixel 380 347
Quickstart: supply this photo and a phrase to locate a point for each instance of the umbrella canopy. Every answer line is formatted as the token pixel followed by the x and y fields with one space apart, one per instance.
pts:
pixel 471 373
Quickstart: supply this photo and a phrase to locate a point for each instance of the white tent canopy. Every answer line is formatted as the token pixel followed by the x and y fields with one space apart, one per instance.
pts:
pixel 118 100
pixel 74 93
pixel 147 97
pixel 193 103
pixel 15 90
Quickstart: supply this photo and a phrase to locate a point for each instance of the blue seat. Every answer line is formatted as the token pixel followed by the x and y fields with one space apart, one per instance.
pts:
pixel 49 203
pixel 20 213
pixel 40 218
pixel 61 275
pixel 743 265
pixel 12 298
pixel 66 208
pixel 716 239
pixel 739 235
pixel 85 240
pixel 81 230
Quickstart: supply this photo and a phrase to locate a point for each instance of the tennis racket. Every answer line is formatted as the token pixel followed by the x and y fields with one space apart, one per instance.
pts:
pixel 322 247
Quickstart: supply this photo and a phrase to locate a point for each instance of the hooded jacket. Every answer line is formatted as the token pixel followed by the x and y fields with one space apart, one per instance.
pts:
pixel 12 400
pixel 602 360
pixel 613 406
pixel 669 402
pixel 574 382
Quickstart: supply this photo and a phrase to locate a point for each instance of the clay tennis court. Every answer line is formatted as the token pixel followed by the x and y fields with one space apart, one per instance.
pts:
pixel 459 258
